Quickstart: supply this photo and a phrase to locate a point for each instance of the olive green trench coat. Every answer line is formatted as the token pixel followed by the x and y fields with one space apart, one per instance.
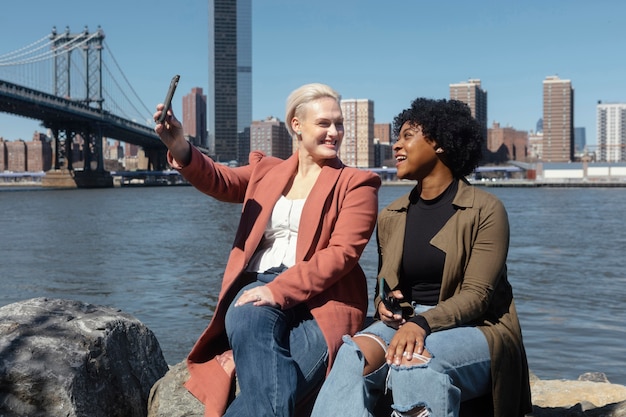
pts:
pixel 475 289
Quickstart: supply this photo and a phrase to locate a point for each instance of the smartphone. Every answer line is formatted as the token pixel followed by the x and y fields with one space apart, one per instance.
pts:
pixel 391 303
pixel 168 98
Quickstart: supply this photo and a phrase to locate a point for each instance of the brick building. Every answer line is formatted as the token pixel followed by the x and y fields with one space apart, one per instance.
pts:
pixel 515 141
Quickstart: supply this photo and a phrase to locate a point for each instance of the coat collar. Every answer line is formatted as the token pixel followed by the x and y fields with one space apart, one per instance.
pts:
pixel 465 195
pixel 464 198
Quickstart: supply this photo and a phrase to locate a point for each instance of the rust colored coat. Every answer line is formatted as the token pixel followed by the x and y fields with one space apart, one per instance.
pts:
pixel 337 221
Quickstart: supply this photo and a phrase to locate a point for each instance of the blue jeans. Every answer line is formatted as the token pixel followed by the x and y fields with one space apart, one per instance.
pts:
pixel 280 355
pixel 459 370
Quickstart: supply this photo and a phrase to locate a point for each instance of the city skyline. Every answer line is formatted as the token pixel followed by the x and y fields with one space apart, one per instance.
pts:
pixel 389 55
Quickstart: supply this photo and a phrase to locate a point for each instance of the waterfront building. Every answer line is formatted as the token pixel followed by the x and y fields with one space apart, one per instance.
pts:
pixel 113 151
pixel 580 141
pixel 535 146
pixel 558 120
pixel 243 146
pixel 611 132
pixel 131 150
pixel 514 141
pixel 383 154
pixel 581 172
pixel 271 136
pixel 195 117
pixel 16 155
pixel 3 155
pixel 357 149
pixel 382 132
pixel 472 94
pixel 383 144
pixel 229 97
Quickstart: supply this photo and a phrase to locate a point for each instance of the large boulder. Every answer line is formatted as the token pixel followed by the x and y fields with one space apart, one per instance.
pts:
pixel 71 359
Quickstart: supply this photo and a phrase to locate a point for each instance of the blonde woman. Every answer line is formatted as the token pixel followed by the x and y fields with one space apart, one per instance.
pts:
pixel 292 285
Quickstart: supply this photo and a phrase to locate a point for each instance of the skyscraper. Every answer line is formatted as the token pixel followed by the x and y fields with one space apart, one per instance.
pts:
pixel 230 78
pixel 580 140
pixel 611 132
pixel 475 97
pixel 558 120
pixel 357 149
pixel 194 117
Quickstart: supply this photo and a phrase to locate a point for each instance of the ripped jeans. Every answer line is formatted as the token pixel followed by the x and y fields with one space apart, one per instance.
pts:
pixel 459 370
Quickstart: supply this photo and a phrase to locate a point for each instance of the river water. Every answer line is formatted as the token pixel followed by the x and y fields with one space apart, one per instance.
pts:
pixel 158 254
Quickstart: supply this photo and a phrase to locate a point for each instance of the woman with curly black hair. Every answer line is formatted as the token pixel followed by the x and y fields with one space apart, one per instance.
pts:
pixel 447 329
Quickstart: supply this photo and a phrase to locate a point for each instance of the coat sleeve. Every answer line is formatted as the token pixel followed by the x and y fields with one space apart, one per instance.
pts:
pixel 219 181
pixel 343 239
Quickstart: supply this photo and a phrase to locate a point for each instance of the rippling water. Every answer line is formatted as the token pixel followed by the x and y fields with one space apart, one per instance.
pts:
pixel 158 253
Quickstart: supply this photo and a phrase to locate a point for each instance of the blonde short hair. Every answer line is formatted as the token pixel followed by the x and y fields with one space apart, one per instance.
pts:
pixel 302 96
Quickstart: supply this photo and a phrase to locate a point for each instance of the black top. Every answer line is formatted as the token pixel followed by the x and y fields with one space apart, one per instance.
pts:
pixel 422 263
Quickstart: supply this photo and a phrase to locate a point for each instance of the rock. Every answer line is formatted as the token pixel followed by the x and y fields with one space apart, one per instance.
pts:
pixel 551 398
pixel 593 376
pixel 610 410
pixel 71 359
pixel 169 398
pixel 560 393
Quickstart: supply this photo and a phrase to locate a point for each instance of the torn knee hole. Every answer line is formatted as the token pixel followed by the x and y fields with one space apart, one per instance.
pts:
pixel 377 339
pixel 419 411
pixel 414 360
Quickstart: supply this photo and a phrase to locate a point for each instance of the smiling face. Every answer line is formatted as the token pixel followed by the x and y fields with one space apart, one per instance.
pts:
pixel 415 154
pixel 321 129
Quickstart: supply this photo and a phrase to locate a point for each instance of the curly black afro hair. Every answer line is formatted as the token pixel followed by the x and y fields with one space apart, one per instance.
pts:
pixel 449 123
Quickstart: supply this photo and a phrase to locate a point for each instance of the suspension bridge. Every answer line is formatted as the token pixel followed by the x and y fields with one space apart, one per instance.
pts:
pixel 73 84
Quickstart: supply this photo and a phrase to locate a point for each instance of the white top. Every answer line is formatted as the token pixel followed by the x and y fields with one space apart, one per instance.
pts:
pixel 278 245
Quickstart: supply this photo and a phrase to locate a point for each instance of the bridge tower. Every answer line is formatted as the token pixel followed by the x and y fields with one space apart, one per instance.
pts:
pixel 91 45
pixel 65 131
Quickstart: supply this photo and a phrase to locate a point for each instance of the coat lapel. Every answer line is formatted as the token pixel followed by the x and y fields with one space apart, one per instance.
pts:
pixel 268 190
pixel 395 225
pixel 313 210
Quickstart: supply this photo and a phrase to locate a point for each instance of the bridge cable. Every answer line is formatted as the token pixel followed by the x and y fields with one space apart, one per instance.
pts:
pixel 41 57
pixel 52 52
pixel 121 90
pixel 127 82
pixel 26 47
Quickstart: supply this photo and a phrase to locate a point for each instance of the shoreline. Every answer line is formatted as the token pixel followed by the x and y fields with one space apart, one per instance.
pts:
pixel 17 186
pixel 528 183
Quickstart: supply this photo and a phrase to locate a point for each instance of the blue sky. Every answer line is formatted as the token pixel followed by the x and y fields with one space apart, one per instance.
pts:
pixel 388 51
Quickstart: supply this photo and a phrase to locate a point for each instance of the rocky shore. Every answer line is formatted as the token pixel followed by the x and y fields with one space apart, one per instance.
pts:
pixel 71 359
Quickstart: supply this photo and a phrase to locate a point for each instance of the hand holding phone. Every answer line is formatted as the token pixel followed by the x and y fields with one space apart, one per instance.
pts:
pixel 168 98
pixel 391 303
